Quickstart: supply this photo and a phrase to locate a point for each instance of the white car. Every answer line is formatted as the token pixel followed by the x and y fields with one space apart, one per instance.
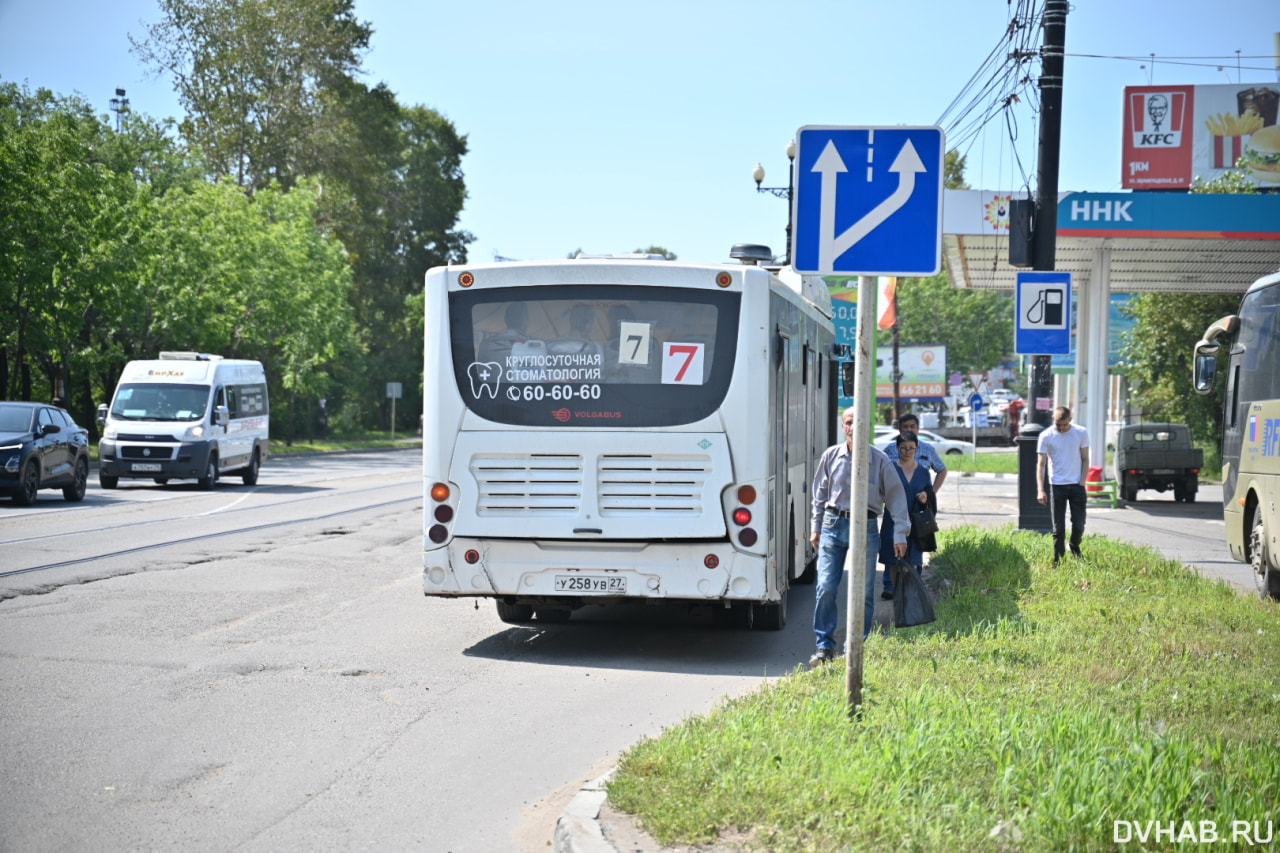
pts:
pixel 999 400
pixel 942 446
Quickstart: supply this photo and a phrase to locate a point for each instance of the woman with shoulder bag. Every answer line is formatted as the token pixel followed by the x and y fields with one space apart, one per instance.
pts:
pixel 920 501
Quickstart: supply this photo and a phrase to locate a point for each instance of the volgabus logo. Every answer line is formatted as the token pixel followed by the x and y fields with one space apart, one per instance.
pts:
pixel 564 415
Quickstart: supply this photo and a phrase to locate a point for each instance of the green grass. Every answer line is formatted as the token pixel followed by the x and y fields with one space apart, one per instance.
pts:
pixel 983 463
pixel 1041 707
pixel 368 441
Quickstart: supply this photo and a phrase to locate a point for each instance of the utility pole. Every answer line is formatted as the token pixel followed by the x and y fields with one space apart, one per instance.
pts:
pixel 1044 245
pixel 1045 220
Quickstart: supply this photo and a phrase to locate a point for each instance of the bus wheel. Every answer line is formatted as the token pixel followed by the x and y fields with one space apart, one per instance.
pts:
pixel 107 481
pixel 1264 577
pixel 514 614
pixel 771 617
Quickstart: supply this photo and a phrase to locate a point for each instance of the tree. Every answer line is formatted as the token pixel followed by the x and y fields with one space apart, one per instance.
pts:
pixel 1157 351
pixel 976 325
pixel 953 170
pixel 273 97
pixel 248 278
pixel 657 250
pixel 63 214
pixel 260 80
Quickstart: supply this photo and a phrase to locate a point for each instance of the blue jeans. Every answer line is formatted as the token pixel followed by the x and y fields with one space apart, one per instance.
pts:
pixel 833 546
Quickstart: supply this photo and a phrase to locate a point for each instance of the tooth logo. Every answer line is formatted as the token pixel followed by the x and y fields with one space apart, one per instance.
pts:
pixel 562 415
pixel 485 377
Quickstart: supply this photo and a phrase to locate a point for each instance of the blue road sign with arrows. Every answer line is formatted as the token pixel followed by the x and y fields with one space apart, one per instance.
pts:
pixel 868 201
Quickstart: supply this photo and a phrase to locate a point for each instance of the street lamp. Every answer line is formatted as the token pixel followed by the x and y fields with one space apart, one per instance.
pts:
pixel 119 104
pixel 781 192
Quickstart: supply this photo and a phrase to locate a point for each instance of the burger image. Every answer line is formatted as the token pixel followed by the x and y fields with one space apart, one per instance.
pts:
pixel 1262 154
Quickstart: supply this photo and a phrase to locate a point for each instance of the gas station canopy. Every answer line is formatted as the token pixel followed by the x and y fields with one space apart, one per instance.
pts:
pixel 1151 241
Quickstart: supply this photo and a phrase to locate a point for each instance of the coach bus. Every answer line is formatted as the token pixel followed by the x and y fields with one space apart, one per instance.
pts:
pixel 623 428
pixel 1250 427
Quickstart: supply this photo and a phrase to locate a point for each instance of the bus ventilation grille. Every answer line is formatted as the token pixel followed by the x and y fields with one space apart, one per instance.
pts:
pixel 630 484
pixel 522 484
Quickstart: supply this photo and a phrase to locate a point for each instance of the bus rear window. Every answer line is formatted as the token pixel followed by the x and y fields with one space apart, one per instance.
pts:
pixel 593 355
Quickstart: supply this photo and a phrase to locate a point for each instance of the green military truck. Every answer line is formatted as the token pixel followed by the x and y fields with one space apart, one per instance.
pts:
pixel 1158 457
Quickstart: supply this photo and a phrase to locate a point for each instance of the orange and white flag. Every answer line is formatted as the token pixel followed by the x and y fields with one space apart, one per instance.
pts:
pixel 888 302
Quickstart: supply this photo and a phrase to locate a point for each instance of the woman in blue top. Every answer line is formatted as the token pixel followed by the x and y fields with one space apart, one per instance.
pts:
pixel 916 481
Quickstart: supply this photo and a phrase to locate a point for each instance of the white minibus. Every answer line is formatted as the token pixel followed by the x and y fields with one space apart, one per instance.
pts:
pixel 185 416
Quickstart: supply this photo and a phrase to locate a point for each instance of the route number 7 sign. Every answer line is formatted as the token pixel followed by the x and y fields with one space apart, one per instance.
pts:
pixel 682 364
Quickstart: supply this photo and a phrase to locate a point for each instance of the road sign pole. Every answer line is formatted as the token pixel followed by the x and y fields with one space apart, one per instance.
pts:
pixel 855 561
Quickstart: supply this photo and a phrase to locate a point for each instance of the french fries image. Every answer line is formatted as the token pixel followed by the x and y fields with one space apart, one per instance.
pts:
pixel 1230 124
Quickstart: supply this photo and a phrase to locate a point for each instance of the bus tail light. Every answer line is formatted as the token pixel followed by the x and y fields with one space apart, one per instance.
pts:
pixel 711 561
pixel 741 516
pixel 443 512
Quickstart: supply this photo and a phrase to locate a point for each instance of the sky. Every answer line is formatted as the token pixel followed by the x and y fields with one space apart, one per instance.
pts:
pixel 609 127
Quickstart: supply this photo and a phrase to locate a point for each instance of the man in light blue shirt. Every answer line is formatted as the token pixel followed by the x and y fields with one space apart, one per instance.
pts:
pixel 925 454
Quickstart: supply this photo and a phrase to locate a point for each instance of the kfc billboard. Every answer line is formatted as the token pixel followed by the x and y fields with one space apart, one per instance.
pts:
pixel 1174 134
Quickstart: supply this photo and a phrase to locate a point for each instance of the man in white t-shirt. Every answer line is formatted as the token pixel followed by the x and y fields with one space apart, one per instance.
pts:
pixel 1062 463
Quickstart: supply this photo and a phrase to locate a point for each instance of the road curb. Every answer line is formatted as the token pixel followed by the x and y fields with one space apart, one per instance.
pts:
pixel 578 828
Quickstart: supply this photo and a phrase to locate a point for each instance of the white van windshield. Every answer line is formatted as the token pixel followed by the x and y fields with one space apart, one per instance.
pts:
pixel 147 401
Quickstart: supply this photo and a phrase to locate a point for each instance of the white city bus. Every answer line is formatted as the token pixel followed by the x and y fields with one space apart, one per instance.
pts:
pixel 623 428
pixel 1250 427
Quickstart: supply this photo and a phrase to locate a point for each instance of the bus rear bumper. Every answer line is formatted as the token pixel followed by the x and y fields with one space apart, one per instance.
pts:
pixel 547 571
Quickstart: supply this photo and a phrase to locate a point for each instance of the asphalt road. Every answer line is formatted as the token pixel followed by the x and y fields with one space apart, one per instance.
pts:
pixel 256 668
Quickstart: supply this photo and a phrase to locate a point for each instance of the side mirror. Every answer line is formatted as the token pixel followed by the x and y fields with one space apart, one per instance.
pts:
pixel 221 415
pixel 50 429
pixel 1206 366
pixel 102 414
pixel 846 378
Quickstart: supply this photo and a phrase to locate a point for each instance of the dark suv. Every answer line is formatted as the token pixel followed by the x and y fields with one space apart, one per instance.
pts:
pixel 41 448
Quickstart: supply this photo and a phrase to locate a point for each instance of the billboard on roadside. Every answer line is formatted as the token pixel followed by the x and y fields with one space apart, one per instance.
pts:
pixel 922 372
pixel 1175 134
